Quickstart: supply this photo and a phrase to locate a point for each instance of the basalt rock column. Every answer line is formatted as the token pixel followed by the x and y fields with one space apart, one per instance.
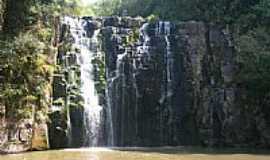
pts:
pixel 145 84
pixel 167 84
pixel 166 87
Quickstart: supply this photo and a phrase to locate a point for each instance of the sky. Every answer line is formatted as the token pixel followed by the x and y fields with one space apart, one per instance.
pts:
pixel 89 1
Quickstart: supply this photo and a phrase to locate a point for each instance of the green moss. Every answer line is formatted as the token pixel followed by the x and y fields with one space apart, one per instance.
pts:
pixel 59 102
pixel 76 105
pixel 152 19
pixel 99 63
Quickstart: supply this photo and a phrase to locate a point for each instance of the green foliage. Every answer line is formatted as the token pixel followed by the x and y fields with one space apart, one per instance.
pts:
pixel 27 55
pixel 22 14
pixel 107 7
pixel 87 10
pixel 217 11
pixel 59 102
pixel 152 18
pixel 26 72
pixel 100 74
pixel 76 105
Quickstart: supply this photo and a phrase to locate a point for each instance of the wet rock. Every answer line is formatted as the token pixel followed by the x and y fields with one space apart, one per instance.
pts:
pixel 161 95
pixel 59 86
pixel 112 21
pixel 171 84
pixel 129 22
pixel 57 130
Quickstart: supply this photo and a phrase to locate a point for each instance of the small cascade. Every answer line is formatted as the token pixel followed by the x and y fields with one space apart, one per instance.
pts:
pixel 119 76
pixel 169 68
pixel 117 81
pixel 165 29
pixel 109 111
pixel 87 47
pixel 137 95
pixel 109 122
pixel 92 117
pixel 144 49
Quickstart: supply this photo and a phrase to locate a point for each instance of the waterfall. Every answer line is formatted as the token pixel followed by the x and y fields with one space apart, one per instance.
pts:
pixel 92 117
pixel 109 102
pixel 169 68
pixel 147 97
pixel 86 45
pixel 164 29
pixel 144 49
pixel 110 139
pixel 119 92
pixel 119 76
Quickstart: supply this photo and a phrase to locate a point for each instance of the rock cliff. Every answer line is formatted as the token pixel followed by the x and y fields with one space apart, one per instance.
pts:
pixel 166 84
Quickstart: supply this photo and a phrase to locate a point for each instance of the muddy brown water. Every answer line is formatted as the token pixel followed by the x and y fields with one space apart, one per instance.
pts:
pixel 163 153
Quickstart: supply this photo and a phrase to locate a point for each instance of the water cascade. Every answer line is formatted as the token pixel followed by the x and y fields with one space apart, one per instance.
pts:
pixel 157 87
pixel 164 28
pixel 87 46
pixel 131 93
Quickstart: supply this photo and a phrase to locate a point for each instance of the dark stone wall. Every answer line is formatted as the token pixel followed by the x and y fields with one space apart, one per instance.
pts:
pixel 66 113
pixel 146 112
pixel 174 87
pixel 205 106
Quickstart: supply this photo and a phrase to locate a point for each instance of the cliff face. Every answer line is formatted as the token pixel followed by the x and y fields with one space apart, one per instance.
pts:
pixel 173 86
pixel 168 84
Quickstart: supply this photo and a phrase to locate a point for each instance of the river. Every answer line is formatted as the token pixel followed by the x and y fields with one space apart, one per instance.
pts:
pixel 164 153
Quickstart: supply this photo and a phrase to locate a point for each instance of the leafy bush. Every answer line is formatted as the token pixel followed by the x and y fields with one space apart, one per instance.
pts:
pixel 26 72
